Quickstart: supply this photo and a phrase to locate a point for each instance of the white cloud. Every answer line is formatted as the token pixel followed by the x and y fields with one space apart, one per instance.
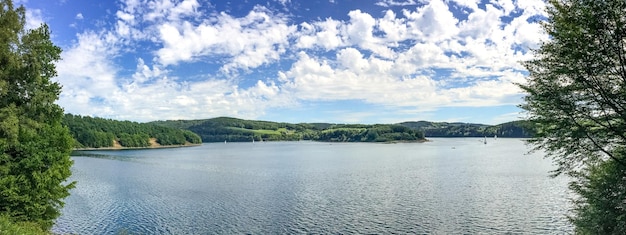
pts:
pixel 432 22
pixel 284 2
pixel 34 18
pixel 472 4
pixel 93 84
pixel 414 60
pixel 158 10
pixel 355 77
pixel 79 16
pixel 389 3
pixel 145 73
pixel 395 29
pixel 256 39
pixel 325 34
pixel 87 73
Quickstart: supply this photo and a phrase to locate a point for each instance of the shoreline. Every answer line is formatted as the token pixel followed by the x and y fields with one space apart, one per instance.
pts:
pixel 135 148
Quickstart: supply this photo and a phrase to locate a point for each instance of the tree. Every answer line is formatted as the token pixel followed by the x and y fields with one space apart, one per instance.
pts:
pixel 34 146
pixel 601 190
pixel 577 101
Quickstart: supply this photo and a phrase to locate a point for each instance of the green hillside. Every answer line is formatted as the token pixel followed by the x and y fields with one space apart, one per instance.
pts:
pixel 239 130
pixel 89 132
pixel 515 129
pixel 98 132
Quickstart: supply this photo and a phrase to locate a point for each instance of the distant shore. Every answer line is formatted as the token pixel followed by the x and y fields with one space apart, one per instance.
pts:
pixel 153 145
pixel 129 148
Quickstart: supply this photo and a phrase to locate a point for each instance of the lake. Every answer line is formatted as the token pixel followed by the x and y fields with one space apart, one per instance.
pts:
pixel 446 186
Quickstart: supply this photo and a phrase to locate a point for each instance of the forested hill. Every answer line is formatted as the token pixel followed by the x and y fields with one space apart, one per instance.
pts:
pixel 239 130
pixel 98 132
pixel 515 129
pixel 89 132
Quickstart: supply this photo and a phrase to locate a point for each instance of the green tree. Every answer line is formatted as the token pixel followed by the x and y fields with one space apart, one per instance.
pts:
pixel 34 146
pixel 602 190
pixel 577 100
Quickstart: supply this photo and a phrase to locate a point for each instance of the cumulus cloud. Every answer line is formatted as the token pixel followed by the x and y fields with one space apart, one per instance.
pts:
pixel 34 18
pixel 325 34
pixel 388 3
pixel 418 58
pixel 248 42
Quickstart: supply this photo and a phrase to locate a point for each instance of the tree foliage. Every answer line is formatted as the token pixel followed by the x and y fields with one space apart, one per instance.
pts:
pixel 577 100
pixel 601 208
pixel 90 132
pixel 514 129
pixel 238 130
pixel 34 146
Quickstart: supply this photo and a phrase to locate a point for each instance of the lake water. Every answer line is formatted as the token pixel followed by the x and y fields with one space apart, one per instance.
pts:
pixel 447 186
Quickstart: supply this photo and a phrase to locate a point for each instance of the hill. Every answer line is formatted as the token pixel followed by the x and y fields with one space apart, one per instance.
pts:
pixel 98 132
pixel 89 132
pixel 239 130
pixel 514 129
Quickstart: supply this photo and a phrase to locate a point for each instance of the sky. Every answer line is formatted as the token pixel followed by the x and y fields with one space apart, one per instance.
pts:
pixel 338 61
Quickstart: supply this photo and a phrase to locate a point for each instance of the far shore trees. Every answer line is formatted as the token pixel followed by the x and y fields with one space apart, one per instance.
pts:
pixel 577 98
pixel 34 146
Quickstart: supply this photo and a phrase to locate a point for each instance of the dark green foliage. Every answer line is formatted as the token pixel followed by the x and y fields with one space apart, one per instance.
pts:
pixel 577 103
pixel 134 140
pixel 515 129
pixel 34 146
pixel 369 133
pixel 238 130
pixel 601 208
pixel 99 132
pixel 191 137
pixel 577 97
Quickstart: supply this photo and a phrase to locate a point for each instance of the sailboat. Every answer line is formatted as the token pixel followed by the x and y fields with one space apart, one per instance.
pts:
pixel 485 140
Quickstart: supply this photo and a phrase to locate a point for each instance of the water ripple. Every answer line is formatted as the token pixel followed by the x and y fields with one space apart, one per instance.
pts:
pixel 315 188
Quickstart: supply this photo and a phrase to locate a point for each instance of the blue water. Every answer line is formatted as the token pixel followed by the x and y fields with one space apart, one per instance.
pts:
pixel 445 186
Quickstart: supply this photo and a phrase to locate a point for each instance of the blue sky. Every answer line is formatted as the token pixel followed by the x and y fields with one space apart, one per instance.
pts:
pixel 340 61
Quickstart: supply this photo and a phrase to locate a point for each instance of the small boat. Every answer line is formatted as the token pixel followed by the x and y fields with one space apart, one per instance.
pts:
pixel 485 140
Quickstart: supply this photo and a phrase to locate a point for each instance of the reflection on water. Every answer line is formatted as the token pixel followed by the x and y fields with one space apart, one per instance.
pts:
pixel 443 186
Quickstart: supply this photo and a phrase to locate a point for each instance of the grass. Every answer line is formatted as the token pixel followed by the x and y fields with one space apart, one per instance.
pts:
pixel 22 228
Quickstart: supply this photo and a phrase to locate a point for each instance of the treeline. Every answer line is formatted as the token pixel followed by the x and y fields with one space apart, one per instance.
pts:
pixel 515 129
pixel 369 133
pixel 90 132
pixel 239 130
